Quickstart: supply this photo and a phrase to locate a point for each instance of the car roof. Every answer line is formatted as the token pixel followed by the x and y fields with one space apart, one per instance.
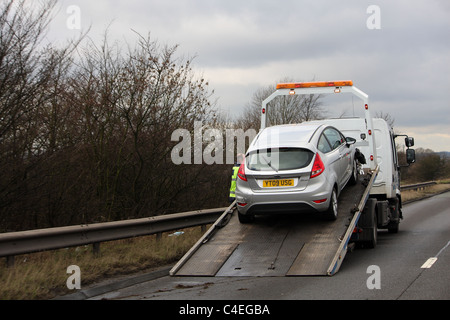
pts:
pixel 288 135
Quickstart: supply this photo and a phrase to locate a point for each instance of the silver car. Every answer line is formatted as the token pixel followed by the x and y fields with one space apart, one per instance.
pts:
pixel 295 168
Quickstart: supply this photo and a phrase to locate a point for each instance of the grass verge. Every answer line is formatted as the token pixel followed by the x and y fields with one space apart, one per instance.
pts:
pixel 43 275
pixel 411 195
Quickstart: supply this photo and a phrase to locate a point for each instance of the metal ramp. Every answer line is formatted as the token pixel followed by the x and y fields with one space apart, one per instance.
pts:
pixel 276 245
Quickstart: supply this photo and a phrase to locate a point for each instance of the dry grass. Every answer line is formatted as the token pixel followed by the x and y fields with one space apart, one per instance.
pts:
pixel 43 275
pixel 412 195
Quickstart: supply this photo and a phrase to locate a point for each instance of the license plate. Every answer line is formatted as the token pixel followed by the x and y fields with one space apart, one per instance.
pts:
pixel 278 183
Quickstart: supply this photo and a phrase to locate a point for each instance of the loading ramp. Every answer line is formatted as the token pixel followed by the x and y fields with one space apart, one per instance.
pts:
pixel 278 245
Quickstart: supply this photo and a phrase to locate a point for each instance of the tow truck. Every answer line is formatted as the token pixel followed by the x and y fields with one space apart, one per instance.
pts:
pixel 305 245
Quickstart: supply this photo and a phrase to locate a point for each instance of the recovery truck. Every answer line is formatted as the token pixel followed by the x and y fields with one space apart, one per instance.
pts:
pixel 305 245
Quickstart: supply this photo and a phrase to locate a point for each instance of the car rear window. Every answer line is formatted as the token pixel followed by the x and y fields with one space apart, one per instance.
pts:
pixel 279 159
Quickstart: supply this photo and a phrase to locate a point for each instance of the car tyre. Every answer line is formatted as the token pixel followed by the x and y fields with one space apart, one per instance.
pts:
pixel 332 212
pixel 245 218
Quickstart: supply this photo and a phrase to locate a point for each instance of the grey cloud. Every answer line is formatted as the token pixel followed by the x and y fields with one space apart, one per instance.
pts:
pixel 404 66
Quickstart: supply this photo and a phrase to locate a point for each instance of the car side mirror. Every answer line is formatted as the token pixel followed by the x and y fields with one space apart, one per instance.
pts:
pixel 410 156
pixel 350 140
pixel 409 142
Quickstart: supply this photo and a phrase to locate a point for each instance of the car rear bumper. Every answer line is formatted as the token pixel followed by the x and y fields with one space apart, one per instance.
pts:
pixel 280 201
pixel 274 208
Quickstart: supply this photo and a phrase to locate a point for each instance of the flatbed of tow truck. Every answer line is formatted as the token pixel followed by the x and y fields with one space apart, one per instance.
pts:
pixel 278 245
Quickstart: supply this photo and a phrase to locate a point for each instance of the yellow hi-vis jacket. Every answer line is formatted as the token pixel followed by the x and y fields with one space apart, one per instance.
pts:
pixel 233 181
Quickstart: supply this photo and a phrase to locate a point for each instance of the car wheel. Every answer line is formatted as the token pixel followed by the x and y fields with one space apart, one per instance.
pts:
pixel 245 218
pixel 332 211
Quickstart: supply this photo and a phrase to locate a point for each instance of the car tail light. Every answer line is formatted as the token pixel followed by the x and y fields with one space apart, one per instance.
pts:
pixel 241 172
pixel 318 167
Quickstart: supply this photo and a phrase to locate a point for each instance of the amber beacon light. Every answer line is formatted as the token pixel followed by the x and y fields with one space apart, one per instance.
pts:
pixel 315 84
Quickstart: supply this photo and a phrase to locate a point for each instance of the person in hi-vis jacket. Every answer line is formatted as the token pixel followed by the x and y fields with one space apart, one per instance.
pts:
pixel 239 160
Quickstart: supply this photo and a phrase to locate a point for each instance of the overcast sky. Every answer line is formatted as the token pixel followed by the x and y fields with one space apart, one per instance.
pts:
pixel 403 64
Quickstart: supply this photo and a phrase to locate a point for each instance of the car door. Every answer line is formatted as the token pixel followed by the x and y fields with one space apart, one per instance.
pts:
pixel 331 154
pixel 338 146
pixel 346 156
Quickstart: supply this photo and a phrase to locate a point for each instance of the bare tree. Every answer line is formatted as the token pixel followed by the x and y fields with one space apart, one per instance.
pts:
pixel 386 116
pixel 88 138
pixel 131 103
pixel 283 109
pixel 28 77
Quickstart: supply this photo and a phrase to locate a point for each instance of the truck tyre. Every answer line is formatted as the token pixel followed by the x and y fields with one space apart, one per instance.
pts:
pixel 372 231
pixel 332 212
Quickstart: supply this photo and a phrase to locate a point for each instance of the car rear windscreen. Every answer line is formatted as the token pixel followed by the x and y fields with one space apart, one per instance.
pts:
pixel 279 159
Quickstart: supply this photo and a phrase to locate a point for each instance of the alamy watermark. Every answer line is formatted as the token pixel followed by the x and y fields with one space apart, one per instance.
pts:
pixel 374 280
pixel 74 280
pixel 210 146
pixel 73 21
pixel 373 22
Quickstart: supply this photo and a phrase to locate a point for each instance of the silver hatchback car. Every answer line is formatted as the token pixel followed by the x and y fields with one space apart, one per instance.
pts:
pixel 295 168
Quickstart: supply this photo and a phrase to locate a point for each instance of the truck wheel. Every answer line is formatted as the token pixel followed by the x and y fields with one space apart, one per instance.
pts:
pixel 373 230
pixel 332 211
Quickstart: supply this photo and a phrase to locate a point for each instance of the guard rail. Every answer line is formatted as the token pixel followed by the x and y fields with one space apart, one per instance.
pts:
pixel 23 242
pixel 417 186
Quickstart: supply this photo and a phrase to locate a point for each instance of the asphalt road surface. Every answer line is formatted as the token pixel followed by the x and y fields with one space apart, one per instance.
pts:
pixel 412 264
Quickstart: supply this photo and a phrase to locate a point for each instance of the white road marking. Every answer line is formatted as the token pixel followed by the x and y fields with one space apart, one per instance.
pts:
pixel 429 263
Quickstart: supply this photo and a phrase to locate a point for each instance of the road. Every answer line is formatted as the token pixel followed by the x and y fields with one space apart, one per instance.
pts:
pixel 394 270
